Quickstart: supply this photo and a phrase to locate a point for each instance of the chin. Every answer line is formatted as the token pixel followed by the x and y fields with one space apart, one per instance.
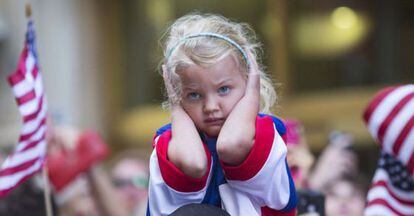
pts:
pixel 213 132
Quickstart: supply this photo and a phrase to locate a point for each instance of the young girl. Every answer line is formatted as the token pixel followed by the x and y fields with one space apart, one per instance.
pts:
pixel 218 149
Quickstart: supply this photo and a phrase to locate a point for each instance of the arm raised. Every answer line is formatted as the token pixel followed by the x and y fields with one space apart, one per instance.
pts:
pixel 185 150
pixel 237 134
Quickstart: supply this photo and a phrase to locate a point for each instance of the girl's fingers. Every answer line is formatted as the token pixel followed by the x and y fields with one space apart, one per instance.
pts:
pixel 167 80
pixel 253 81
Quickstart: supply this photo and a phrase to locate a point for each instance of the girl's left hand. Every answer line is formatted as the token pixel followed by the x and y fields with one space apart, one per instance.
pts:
pixel 237 135
pixel 252 93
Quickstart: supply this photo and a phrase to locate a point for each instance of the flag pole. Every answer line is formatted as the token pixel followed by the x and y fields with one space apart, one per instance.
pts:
pixel 28 11
pixel 46 191
pixel 46 187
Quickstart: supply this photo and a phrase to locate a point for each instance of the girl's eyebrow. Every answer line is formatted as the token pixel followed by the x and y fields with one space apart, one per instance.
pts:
pixel 190 87
pixel 224 80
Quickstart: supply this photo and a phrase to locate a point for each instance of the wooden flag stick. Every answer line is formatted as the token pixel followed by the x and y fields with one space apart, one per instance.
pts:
pixel 46 191
pixel 46 187
pixel 28 10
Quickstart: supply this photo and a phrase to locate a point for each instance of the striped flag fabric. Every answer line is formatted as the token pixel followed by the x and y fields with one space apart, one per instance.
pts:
pixel 392 189
pixel 390 120
pixel 28 156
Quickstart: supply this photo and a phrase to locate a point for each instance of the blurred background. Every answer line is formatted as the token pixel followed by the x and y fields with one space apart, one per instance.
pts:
pixel 100 58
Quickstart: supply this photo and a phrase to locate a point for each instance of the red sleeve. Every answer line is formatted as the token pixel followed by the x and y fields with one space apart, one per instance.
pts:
pixel 171 174
pixel 257 157
pixel 266 211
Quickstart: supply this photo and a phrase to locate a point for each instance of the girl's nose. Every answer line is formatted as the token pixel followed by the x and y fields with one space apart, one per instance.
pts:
pixel 211 104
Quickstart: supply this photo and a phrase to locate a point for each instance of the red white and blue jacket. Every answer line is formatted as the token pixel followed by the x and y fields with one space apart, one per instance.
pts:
pixel 261 185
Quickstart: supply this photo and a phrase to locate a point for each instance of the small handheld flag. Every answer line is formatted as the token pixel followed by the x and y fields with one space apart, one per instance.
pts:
pixel 29 154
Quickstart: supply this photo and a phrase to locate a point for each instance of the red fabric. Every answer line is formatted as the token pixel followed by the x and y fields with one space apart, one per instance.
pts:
pixel 21 167
pixel 172 175
pixel 411 164
pixel 384 125
pixel 65 166
pixel 402 136
pixel 391 192
pixel 257 157
pixel 19 74
pixel 27 136
pixel 29 96
pixel 266 211
pixel 385 203
pixel 375 102
pixel 33 115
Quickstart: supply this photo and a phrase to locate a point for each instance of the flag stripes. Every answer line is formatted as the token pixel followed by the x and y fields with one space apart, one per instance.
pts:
pixel 383 195
pixel 390 120
pixel 27 87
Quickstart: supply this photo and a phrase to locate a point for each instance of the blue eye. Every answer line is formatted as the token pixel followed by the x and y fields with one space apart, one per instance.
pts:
pixel 193 96
pixel 224 90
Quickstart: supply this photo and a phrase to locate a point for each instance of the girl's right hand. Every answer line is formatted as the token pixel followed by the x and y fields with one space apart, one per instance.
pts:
pixel 168 85
pixel 237 135
pixel 185 149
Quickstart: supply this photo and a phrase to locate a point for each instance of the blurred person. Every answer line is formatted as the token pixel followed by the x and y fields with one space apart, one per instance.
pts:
pixel 336 160
pixel 130 178
pixel 328 177
pixel 299 156
pixel 76 199
pixel 334 174
pixel 94 193
pixel 300 160
pixel 345 196
pixel 218 149
pixel 27 199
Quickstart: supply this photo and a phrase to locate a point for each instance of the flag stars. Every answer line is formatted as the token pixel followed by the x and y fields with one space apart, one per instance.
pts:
pixel 392 191
pixel 381 162
pixel 398 173
pixel 396 178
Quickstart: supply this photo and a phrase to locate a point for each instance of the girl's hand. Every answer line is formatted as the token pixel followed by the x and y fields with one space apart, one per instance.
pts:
pixel 253 83
pixel 185 149
pixel 168 85
pixel 236 137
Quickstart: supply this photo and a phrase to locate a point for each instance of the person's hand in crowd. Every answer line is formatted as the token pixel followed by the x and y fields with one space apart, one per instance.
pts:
pixel 300 159
pixel 76 144
pixel 62 137
pixel 335 161
pixel 299 156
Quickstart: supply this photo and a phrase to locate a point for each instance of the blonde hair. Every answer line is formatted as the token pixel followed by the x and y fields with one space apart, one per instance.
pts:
pixel 181 51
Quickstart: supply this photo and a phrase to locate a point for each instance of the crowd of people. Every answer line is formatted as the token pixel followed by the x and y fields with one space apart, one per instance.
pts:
pixel 222 154
pixel 332 183
pixel 327 185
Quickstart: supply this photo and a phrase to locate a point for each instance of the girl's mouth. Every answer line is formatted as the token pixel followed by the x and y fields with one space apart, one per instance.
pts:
pixel 214 121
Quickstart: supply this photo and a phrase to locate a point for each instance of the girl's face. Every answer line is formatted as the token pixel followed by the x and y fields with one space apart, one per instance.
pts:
pixel 210 94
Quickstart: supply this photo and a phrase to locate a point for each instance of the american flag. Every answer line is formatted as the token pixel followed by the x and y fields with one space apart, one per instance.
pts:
pixel 29 154
pixel 390 120
pixel 392 190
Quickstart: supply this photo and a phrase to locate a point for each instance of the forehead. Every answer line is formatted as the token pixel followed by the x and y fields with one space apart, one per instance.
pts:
pixel 226 68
